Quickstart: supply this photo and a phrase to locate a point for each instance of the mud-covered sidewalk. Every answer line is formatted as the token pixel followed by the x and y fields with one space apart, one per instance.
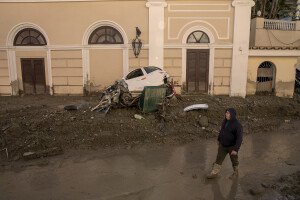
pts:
pixel 36 123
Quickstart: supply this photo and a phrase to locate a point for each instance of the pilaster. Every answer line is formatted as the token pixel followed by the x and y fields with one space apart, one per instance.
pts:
pixel 241 35
pixel 156 32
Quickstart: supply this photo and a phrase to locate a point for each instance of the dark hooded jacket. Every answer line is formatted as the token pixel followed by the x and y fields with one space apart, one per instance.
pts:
pixel 231 133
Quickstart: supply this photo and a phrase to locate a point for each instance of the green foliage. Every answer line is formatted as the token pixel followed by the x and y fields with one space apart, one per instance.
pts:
pixel 272 9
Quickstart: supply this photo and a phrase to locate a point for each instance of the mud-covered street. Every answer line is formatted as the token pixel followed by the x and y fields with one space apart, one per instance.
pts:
pixel 39 123
pixel 268 170
pixel 165 155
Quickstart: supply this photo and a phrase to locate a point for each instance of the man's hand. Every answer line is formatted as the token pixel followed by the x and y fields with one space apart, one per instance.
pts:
pixel 234 153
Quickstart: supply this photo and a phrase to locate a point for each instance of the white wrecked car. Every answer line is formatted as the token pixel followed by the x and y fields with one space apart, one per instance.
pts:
pixel 136 80
pixel 129 89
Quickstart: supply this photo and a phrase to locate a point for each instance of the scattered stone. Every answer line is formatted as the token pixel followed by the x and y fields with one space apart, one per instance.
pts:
pixel 44 153
pixel 16 158
pixel 181 114
pixel 287 121
pixel 106 133
pixel 257 191
pixel 14 130
pixel 289 163
pixel 265 185
pixel 6 127
pixel 28 154
pixel 151 117
pixel 73 118
pixel 203 121
pixel 138 116
pixel 43 163
pixel 194 176
pixel 58 123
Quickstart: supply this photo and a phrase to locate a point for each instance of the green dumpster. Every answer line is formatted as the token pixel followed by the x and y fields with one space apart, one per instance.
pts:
pixel 152 97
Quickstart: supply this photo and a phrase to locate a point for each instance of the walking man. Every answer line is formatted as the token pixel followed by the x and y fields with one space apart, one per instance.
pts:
pixel 229 141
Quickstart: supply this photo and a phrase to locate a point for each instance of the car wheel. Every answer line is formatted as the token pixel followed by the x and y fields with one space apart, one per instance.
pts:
pixel 126 99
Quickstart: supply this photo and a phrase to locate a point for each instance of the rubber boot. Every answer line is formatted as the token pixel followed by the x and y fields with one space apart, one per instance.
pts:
pixel 235 173
pixel 214 172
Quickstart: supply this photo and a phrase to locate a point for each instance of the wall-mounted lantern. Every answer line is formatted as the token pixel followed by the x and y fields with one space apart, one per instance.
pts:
pixel 137 43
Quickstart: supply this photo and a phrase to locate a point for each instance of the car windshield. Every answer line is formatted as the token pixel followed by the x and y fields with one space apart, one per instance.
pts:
pixel 134 74
pixel 150 69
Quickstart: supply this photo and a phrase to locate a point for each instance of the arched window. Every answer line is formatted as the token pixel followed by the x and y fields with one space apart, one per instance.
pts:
pixel 198 37
pixel 106 35
pixel 29 37
pixel 266 74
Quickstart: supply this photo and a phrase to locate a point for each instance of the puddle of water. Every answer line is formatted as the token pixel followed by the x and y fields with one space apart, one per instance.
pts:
pixel 173 172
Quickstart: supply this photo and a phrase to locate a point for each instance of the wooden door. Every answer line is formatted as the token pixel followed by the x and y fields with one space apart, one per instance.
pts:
pixel 197 70
pixel 33 74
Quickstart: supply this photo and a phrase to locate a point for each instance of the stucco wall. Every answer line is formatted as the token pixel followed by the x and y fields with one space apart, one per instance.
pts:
pixel 270 37
pixel 106 66
pixel 66 22
pixel 141 61
pixel 173 65
pixel 4 75
pixel 216 16
pixel 67 72
pixel 222 71
pixel 285 74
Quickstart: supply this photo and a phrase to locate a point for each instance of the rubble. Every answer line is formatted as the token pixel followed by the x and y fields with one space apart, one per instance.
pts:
pixel 45 124
pixel 136 116
pixel 43 153
pixel 257 191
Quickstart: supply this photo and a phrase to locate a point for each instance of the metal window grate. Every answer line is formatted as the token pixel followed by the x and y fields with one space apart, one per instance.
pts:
pixel 265 77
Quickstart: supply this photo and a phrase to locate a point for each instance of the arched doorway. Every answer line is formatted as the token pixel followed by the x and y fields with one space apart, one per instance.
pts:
pixel 197 70
pixel 106 61
pixel 106 58
pixel 33 69
pixel 266 74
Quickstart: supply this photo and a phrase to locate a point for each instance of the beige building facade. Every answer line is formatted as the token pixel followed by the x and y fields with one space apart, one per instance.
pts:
pixel 65 47
pixel 273 56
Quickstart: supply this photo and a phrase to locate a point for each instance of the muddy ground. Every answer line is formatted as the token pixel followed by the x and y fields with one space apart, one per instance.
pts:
pixel 269 169
pixel 35 123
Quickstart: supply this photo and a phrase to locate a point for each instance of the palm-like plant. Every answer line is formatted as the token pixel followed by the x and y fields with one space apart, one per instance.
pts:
pixel 269 8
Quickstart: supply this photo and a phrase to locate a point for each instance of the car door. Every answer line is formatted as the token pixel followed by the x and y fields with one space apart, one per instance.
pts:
pixel 135 79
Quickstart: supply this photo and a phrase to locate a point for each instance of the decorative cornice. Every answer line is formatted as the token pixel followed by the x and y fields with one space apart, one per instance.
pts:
pixel 160 3
pixel 243 3
pixel 279 53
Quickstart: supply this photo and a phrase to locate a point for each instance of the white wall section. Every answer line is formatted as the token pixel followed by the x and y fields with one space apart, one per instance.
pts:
pixel 241 33
pixel 156 32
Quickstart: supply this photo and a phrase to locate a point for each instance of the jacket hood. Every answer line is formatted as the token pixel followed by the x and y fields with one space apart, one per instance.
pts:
pixel 232 112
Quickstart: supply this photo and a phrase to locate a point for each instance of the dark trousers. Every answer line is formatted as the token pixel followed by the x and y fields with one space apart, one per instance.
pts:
pixel 222 152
